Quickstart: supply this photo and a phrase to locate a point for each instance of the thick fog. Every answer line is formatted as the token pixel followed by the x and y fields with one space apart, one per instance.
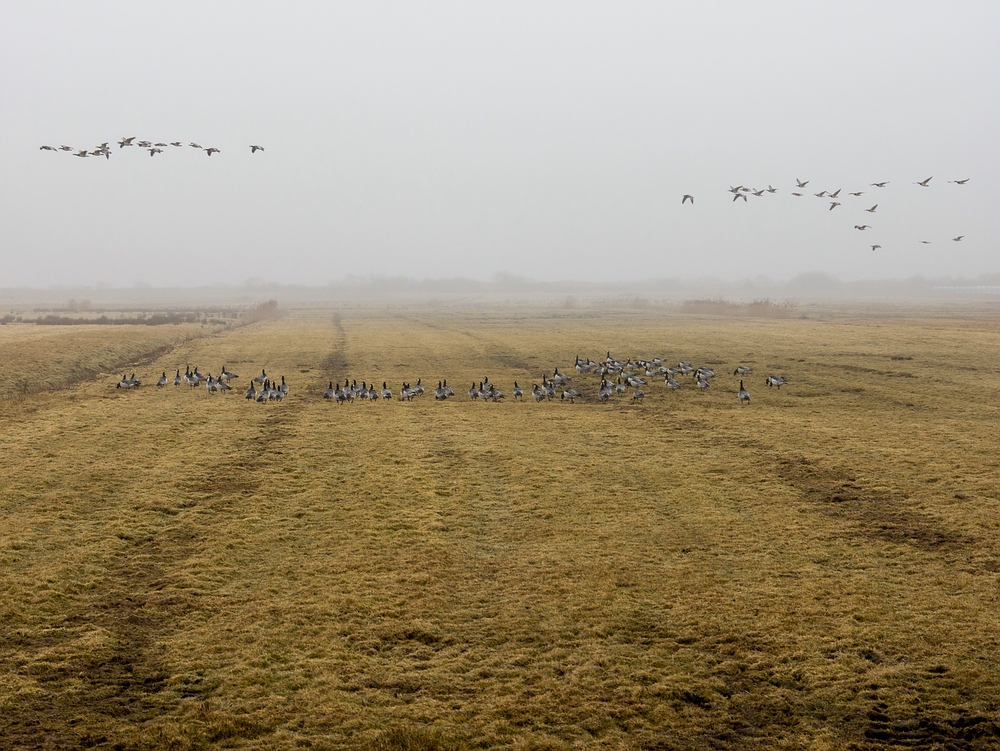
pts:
pixel 552 141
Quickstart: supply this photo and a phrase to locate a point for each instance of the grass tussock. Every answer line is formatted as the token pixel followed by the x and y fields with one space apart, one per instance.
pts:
pixel 816 570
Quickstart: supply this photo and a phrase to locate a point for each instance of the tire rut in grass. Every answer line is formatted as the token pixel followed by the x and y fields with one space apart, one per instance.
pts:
pixel 87 699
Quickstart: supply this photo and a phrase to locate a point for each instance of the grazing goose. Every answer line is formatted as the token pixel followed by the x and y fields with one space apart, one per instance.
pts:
pixel 671 383
pixel 124 383
pixel 637 395
pixel 518 392
pixel 744 395
pixel 177 378
pixel 704 373
pixel 558 378
pixel 163 380
pixel 702 383
pixel 743 370
pixel 537 392
pixel 226 375
pixel 571 394
pixel 775 380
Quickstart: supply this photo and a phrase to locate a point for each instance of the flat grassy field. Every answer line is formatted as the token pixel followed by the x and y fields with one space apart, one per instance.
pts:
pixel 820 569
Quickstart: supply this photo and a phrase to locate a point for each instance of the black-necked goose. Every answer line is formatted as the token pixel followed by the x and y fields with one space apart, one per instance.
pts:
pixel 162 380
pixel 744 395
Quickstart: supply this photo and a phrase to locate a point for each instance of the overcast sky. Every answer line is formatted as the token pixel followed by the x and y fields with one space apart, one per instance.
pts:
pixel 552 140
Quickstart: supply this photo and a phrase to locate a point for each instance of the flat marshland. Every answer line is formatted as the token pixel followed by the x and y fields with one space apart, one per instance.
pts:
pixel 819 569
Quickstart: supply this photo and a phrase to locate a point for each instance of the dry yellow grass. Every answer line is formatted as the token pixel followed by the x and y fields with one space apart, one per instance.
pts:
pixel 818 570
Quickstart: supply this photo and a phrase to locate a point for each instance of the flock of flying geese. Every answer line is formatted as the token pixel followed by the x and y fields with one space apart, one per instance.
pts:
pixel 617 377
pixel 153 148
pixel 742 191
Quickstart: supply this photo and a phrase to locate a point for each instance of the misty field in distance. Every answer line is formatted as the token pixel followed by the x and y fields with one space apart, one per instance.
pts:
pixel 816 570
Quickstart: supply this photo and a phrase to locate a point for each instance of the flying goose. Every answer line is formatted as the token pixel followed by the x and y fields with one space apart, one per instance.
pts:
pixel 801 184
pixel 924 183
pixel 862 227
pixel 959 182
pixel 212 150
pixel 835 193
pixel 821 194
pixel 858 193
pixel 957 239
pixel 740 195
pixel 770 189
pixel 881 184
pixel 176 143
pixel 47 148
pixel 255 149
pixel 687 197
pixel 834 204
pixel 876 247
pixel 872 209
pixel 194 145
pixel 66 148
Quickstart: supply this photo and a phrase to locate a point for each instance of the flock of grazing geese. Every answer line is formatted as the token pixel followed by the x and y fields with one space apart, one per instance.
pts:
pixel 617 377
pixel 153 148
pixel 742 191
